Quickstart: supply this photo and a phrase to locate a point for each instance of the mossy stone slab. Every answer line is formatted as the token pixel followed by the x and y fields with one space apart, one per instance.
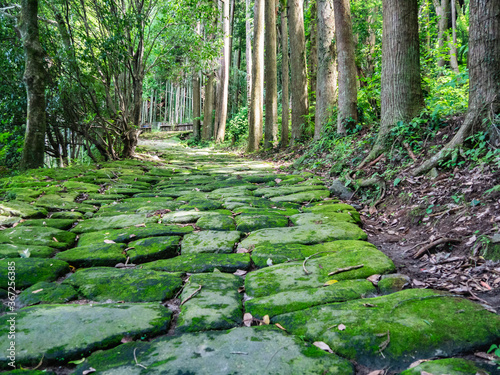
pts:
pixel 243 350
pixel 289 276
pixel 216 222
pixel 226 184
pixel 182 217
pixel 235 202
pixel 174 192
pixel 29 271
pixel 67 215
pixel 64 202
pixel 126 190
pixel 133 233
pixel 240 191
pixel 294 300
pixel 421 323
pixel 271 192
pixel 38 236
pixel 201 204
pixel 329 207
pixel 217 305
pixel 449 366
pixel 14 251
pixel 272 254
pixel 266 211
pixel 305 196
pixel 192 195
pixel 80 186
pixel 98 254
pixel 198 263
pixel 21 209
pixel 60 333
pixel 291 180
pixel 9 220
pixel 210 241
pixel 153 248
pixel 304 234
pixel 113 222
pixel 393 283
pixel 45 292
pixel 130 285
pixel 62 224
pixel 311 218
pixel 248 223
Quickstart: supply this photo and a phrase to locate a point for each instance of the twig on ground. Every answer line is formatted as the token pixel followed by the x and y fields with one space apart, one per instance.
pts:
pixel 339 270
pixel 474 295
pixel 136 362
pixel 410 152
pixel 422 251
pixel 268 363
pixel 309 257
pixel 191 295
pixel 384 344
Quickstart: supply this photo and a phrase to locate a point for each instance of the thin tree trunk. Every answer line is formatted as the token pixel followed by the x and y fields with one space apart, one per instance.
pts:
pixel 285 95
pixel 442 7
pixel 327 66
pixel 271 127
pixel 453 41
pixel 255 113
pixel 312 59
pixel 484 81
pixel 348 93
pixel 298 69
pixel 248 52
pixel 208 107
pixel 34 79
pixel 401 92
pixel 225 62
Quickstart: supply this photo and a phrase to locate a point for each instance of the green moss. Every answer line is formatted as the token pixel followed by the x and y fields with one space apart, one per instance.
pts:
pixel 29 271
pixel 153 248
pixel 282 191
pixel 114 222
pixel 248 223
pixel 210 242
pixel 63 224
pixel 216 222
pixel 44 292
pixel 100 254
pixel 331 218
pixel 21 209
pixel 197 263
pixel 17 251
pixel 451 366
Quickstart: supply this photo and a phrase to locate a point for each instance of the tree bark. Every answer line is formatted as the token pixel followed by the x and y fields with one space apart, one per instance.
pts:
pixel 348 92
pixel 255 113
pixel 224 76
pixel 208 107
pixel 285 95
pixel 453 41
pixel 312 58
pixel 401 91
pixel 271 77
pixel 34 79
pixel 196 106
pixel 484 80
pixel 298 68
pixel 442 8
pixel 248 52
pixel 326 87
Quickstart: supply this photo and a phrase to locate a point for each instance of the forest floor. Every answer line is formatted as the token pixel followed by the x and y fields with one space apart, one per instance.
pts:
pixel 201 261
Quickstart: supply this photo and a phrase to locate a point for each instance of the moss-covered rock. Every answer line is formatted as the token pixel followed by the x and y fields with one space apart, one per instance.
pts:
pixel 29 271
pixel 80 186
pixel 290 276
pixel 22 251
pixel 45 292
pixel 134 207
pixel 393 283
pixel 60 333
pixel 98 254
pixel 9 220
pixel 235 202
pixel 249 351
pixel 305 196
pixel 306 234
pixel 198 263
pixel 311 218
pixel 449 366
pixel 240 191
pixel 294 300
pixel 63 224
pixel 182 217
pixel 266 211
pixel 210 241
pixel 328 207
pixel 216 222
pixel 420 323
pixel 217 305
pixel 21 209
pixel 67 215
pixel 133 233
pixel 201 204
pixel 113 222
pixel 248 223
pixel 63 202
pixel 281 191
pixel 129 285
pixel 153 248
pixel 38 236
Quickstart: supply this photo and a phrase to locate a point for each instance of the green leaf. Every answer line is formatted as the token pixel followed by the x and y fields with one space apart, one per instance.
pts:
pixel 77 361
pixel 397 181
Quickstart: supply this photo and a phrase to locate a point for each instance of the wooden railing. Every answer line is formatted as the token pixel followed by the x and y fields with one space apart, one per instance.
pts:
pixel 163 126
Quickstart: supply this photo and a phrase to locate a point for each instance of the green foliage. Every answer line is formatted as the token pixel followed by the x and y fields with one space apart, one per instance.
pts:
pixel 496 350
pixel 237 128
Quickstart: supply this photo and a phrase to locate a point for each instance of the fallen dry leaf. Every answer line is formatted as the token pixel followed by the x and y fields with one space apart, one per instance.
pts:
pixel 485 285
pixel 330 282
pixel 425 373
pixel 266 320
pixel 323 346
pixel 341 327
pixel 109 241
pixel 36 291
pixel 377 372
pixel 240 273
pixel 418 283
pixel 242 250
pixel 126 339
pixel 89 371
pixel 280 326
pixel 55 239
pixel 374 279
pixel 247 319
pixel 416 363
pixel 140 225
pixel 277 180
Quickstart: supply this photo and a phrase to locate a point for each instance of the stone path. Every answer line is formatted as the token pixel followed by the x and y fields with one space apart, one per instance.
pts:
pixel 204 263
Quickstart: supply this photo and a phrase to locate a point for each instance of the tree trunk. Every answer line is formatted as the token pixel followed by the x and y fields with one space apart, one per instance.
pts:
pixel 327 66
pixel 196 106
pixel 298 68
pixel 312 59
pixel 401 92
pixel 271 76
pixel 453 41
pixel 255 113
pixel 484 79
pixel 442 8
pixel 285 95
pixel 34 79
pixel 348 93
pixel 208 107
pixel 224 76
pixel 248 52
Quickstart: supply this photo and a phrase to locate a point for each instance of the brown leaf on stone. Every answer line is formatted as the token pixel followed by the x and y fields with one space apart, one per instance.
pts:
pixel 55 239
pixel 140 225
pixel 247 319
pixel 241 289
pixel 416 363
pixel 374 279
pixel 341 327
pixel 280 326
pixel 418 283
pixel 240 273
pixel 323 346
pixel 36 291
pixel 242 250
pixel 109 241
pixel 89 371
pixel 278 180
pixel 266 320
pixel 126 339
pixel 377 372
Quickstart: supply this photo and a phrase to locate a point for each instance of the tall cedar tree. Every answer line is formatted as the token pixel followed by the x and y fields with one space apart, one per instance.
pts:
pixel 34 78
pixel 348 90
pixel 401 92
pixel 327 65
pixel 285 95
pixel 270 75
pixel 298 68
pixel 255 113
pixel 484 79
pixel 224 75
